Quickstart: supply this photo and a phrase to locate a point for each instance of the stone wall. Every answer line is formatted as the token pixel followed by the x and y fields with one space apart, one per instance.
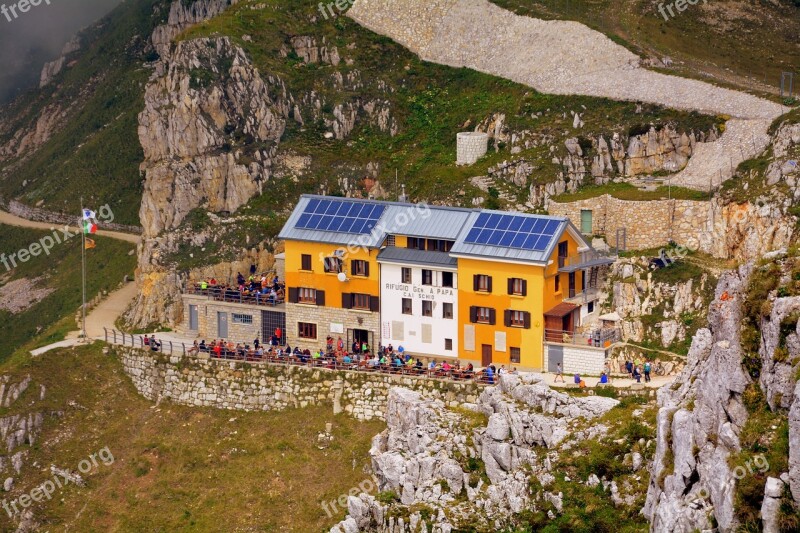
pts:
pixel 584 360
pixel 472 145
pixel 648 224
pixel 207 310
pixel 262 387
pixel 331 321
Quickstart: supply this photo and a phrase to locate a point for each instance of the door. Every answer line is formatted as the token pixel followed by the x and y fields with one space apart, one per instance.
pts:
pixel 586 221
pixel 563 252
pixel 486 354
pixel 270 321
pixel 193 318
pixel 572 284
pixel 360 336
pixel 222 325
pixel 555 355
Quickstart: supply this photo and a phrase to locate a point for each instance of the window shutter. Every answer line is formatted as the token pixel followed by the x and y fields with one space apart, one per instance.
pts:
pixel 507 318
pixel 347 300
pixel 510 285
pixel 292 295
pixel 492 316
pixel 527 318
pixel 321 298
pixel 366 268
pixel 473 314
pixel 475 283
pixel 489 284
pixel 374 304
pixel 524 287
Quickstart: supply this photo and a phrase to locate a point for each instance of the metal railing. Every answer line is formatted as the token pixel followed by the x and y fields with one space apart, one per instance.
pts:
pixel 233 295
pixel 583 296
pixel 325 362
pixel 599 338
pixel 587 257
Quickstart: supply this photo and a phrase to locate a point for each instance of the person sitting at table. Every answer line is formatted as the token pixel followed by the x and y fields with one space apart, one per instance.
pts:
pixel 489 375
pixel 418 366
pixel 218 351
pixel 432 365
pixel 195 349
pixel 446 367
pixel 346 360
pixel 203 347
pixel 469 370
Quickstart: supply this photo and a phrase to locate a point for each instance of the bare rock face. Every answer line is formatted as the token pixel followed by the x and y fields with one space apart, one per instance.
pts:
pixel 204 95
pixel 690 471
pixel 184 14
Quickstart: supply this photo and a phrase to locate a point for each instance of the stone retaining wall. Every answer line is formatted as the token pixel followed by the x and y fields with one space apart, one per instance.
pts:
pixel 648 224
pixel 262 387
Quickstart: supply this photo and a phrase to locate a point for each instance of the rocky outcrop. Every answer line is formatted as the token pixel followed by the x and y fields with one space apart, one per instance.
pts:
pixel 699 422
pixel 424 453
pixel 52 68
pixel 184 14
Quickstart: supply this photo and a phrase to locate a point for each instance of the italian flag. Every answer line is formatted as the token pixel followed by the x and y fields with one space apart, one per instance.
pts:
pixel 89 227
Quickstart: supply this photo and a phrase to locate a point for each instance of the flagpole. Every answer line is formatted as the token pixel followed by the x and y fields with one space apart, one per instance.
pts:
pixel 83 262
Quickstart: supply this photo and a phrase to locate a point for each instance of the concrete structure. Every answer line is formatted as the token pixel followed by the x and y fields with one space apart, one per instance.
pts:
pixel 471 146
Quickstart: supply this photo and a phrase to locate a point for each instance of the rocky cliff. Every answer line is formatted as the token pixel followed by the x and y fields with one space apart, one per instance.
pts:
pixel 728 440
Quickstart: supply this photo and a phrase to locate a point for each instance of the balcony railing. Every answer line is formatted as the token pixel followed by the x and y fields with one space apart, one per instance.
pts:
pixel 587 259
pixel 232 295
pixel 599 338
pixel 582 297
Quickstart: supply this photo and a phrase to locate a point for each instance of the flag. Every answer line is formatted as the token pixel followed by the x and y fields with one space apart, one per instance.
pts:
pixel 88 214
pixel 89 227
pixel 90 244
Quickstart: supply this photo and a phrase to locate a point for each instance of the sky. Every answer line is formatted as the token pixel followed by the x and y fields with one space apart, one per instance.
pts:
pixel 31 39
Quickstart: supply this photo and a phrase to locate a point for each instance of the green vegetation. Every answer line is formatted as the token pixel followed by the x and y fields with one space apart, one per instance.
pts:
pixel 747 46
pixel 50 319
pixel 626 191
pixel 179 468
pixel 96 153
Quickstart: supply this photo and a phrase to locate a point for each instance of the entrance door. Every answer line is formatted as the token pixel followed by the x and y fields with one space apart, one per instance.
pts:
pixel 193 318
pixel 586 221
pixel 360 336
pixel 222 325
pixel 555 355
pixel 572 284
pixel 486 354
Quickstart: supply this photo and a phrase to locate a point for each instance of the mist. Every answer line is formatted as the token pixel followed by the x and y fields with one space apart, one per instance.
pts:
pixel 35 37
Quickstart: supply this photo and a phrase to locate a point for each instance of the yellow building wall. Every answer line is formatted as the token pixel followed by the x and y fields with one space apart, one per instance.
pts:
pixel 528 340
pixel 318 279
pixel 551 297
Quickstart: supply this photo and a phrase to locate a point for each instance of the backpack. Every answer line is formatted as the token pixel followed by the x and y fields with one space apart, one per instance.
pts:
pixel 647 367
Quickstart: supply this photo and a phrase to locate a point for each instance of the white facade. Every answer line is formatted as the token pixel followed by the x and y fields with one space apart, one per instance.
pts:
pixel 429 336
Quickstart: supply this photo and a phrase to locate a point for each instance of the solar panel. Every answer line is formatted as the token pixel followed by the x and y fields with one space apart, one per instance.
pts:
pixel 340 216
pixel 513 231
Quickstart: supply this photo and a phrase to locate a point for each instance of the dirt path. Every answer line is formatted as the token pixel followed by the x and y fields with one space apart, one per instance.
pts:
pixel 13 220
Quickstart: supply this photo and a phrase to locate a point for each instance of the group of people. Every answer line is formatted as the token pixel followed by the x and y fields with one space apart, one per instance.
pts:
pixel 636 369
pixel 261 290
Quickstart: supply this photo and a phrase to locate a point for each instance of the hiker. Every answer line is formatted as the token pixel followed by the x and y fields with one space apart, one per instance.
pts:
pixel 647 369
pixel 637 374
pixel 559 373
pixel 603 379
pixel 629 368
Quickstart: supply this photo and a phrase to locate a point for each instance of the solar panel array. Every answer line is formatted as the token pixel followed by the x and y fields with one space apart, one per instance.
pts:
pixel 340 216
pixel 513 231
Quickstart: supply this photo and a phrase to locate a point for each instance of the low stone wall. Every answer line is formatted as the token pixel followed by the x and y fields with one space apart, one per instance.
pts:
pixel 263 387
pixel 41 215
pixel 648 224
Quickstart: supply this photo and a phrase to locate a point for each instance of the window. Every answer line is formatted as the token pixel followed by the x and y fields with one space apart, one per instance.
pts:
pixel 517 287
pixel 307 296
pixel 407 306
pixel 447 311
pixel 391 240
pixel 416 244
pixel 447 279
pixel 333 265
pixel 439 245
pixel 482 315
pixel 591 307
pixel 558 282
pixel 563 253
pixel 482 283
pixel 448 345
pixel 359 267
pixel 361 301
pixel 516 355
pixel 306 330
pixel 305 262
pixel 406 275
pixel 427 277
pixel 242 319
pixel 517 319
pixel 427 308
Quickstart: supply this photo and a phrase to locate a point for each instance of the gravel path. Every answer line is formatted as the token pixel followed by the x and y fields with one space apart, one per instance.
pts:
pixel 564 57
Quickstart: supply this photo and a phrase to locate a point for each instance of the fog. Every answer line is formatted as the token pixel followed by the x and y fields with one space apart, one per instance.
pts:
pixel 31 39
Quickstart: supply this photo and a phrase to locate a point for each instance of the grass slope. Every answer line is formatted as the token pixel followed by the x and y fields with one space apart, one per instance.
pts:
pixel 50 319
pixel 178 468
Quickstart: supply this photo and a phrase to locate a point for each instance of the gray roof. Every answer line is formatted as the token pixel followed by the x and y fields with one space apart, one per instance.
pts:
pixel 408 256
pixel 432 222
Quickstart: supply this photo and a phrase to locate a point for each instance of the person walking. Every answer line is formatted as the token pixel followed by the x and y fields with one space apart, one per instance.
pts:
pixel 559 374
pixel 647 369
